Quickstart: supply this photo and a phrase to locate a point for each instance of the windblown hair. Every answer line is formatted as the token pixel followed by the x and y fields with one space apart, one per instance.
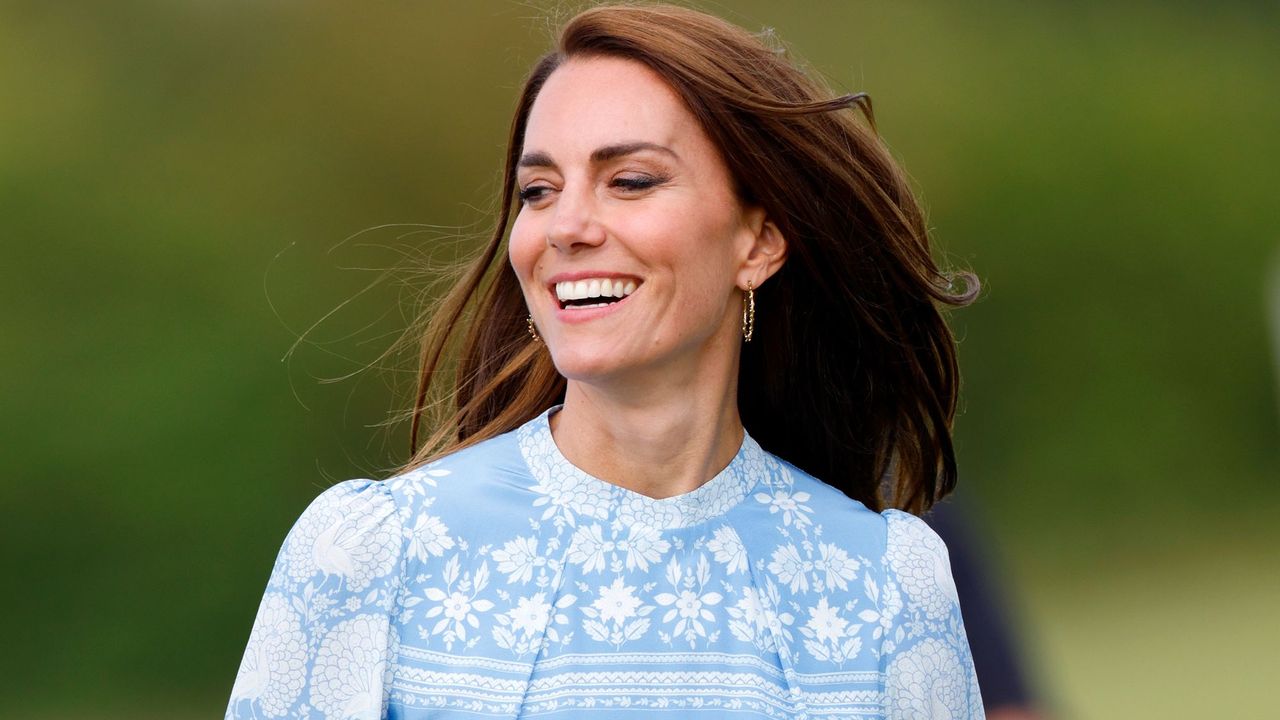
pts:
pixel 852 374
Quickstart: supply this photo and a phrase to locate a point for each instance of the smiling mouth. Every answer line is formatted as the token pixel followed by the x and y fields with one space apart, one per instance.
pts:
pixel 593 292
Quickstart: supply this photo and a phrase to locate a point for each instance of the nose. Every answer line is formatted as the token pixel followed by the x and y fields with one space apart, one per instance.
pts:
pixel 575 223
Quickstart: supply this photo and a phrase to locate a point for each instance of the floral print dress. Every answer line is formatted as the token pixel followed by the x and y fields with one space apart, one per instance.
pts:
pixel 502 581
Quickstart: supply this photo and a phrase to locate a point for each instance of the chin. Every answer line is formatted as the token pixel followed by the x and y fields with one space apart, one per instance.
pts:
pixel 586 365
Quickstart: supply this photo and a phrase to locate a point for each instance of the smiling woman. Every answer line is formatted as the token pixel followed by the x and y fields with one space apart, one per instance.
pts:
pixel 619 182
pixel 691 404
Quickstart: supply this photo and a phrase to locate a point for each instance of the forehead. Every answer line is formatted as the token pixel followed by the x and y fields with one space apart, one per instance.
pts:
pixel 589 102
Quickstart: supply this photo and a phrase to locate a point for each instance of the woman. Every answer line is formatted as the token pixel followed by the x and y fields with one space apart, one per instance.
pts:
pixel 710 359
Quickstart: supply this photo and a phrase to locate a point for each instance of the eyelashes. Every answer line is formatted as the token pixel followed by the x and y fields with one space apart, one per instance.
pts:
pixel 628 184
pixel 639 183
pixel 531 193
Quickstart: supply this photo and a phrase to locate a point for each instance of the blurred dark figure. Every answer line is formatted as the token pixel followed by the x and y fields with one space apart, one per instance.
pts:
pixel 997 657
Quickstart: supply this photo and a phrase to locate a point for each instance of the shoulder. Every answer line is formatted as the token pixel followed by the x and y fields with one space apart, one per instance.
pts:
pixel 364 530
pixel 351 530
pixel 361 503
pixel 893 532
pixel 927 660
pixel 463 477
pixel 916 557
pixel 892 544
pixel 498 454
pixel 468 501
pixel 906 533
pixel 814 502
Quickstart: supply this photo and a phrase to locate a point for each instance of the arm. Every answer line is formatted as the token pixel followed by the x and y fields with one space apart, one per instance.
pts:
pixel 925 658
pixel 323 642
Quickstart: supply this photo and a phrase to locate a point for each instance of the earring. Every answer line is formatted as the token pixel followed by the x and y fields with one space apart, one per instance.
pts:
pixel 533 333
pixel 749 314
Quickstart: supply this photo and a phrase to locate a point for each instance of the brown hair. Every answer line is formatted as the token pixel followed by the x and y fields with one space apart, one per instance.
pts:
pixel 852 373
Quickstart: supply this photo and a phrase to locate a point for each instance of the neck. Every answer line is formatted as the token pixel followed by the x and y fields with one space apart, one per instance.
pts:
pixel 660 436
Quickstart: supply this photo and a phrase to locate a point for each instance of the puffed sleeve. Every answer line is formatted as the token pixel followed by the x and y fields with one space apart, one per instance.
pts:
pixel 323 642
pixel 925 658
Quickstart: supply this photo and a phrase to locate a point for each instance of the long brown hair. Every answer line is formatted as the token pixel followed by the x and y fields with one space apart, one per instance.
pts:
pixel 852 373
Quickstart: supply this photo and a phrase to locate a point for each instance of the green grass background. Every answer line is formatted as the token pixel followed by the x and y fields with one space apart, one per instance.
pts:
pixel 187 188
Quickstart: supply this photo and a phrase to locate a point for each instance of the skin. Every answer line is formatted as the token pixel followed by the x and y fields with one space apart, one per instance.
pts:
pixel 651 402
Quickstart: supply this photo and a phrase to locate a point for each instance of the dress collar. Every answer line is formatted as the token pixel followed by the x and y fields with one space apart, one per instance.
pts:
pixel 570 494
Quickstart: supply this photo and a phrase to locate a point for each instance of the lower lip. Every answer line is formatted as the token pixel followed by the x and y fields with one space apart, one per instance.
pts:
pixel 579 315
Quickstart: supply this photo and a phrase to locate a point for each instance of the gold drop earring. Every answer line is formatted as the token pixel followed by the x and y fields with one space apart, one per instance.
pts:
pixel 749 314
pixel 533 332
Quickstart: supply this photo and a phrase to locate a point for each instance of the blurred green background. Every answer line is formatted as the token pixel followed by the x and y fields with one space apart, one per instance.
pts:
pixel 188 187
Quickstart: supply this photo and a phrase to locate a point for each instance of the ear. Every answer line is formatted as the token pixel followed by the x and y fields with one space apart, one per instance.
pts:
pixel 767 249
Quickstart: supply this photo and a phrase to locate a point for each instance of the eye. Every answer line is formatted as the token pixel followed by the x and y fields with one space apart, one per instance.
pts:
pixel 638 182
pixel 531 193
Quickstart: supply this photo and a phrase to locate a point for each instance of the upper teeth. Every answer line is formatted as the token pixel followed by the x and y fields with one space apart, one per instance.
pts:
pixel 594 287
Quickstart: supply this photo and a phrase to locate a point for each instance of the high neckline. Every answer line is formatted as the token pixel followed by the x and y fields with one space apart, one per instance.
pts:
pixel 571 492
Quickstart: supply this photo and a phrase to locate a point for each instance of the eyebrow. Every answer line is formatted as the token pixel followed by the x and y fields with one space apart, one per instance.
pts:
pixel 599 155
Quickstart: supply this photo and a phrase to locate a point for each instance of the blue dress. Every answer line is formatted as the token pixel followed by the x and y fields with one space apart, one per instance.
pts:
pixel 502 581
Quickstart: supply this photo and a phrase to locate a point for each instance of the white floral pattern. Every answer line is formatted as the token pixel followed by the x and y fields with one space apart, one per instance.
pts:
pixel 568 493
pixel 755 618
pixel 790 505
pixel 926 682
pixel 345 539
pixel 523 628
pixel 791 569
pixel 836 567
pixel 641 547
pixel 351 667
pixel 275 662
pixel 692 605
pixel 328 605
pixel 829 636
pixel 728 549
pixel 518 558
pixel 919 559
pixel 459 603
pixel 429 537
pixel 502 581
pixel 616 615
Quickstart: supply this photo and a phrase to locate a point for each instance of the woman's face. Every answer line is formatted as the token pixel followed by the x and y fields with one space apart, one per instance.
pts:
pixel 625 199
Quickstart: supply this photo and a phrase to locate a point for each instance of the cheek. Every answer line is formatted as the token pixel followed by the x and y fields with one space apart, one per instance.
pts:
pixel 703 259
pixel 523 249
pixel 702 276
